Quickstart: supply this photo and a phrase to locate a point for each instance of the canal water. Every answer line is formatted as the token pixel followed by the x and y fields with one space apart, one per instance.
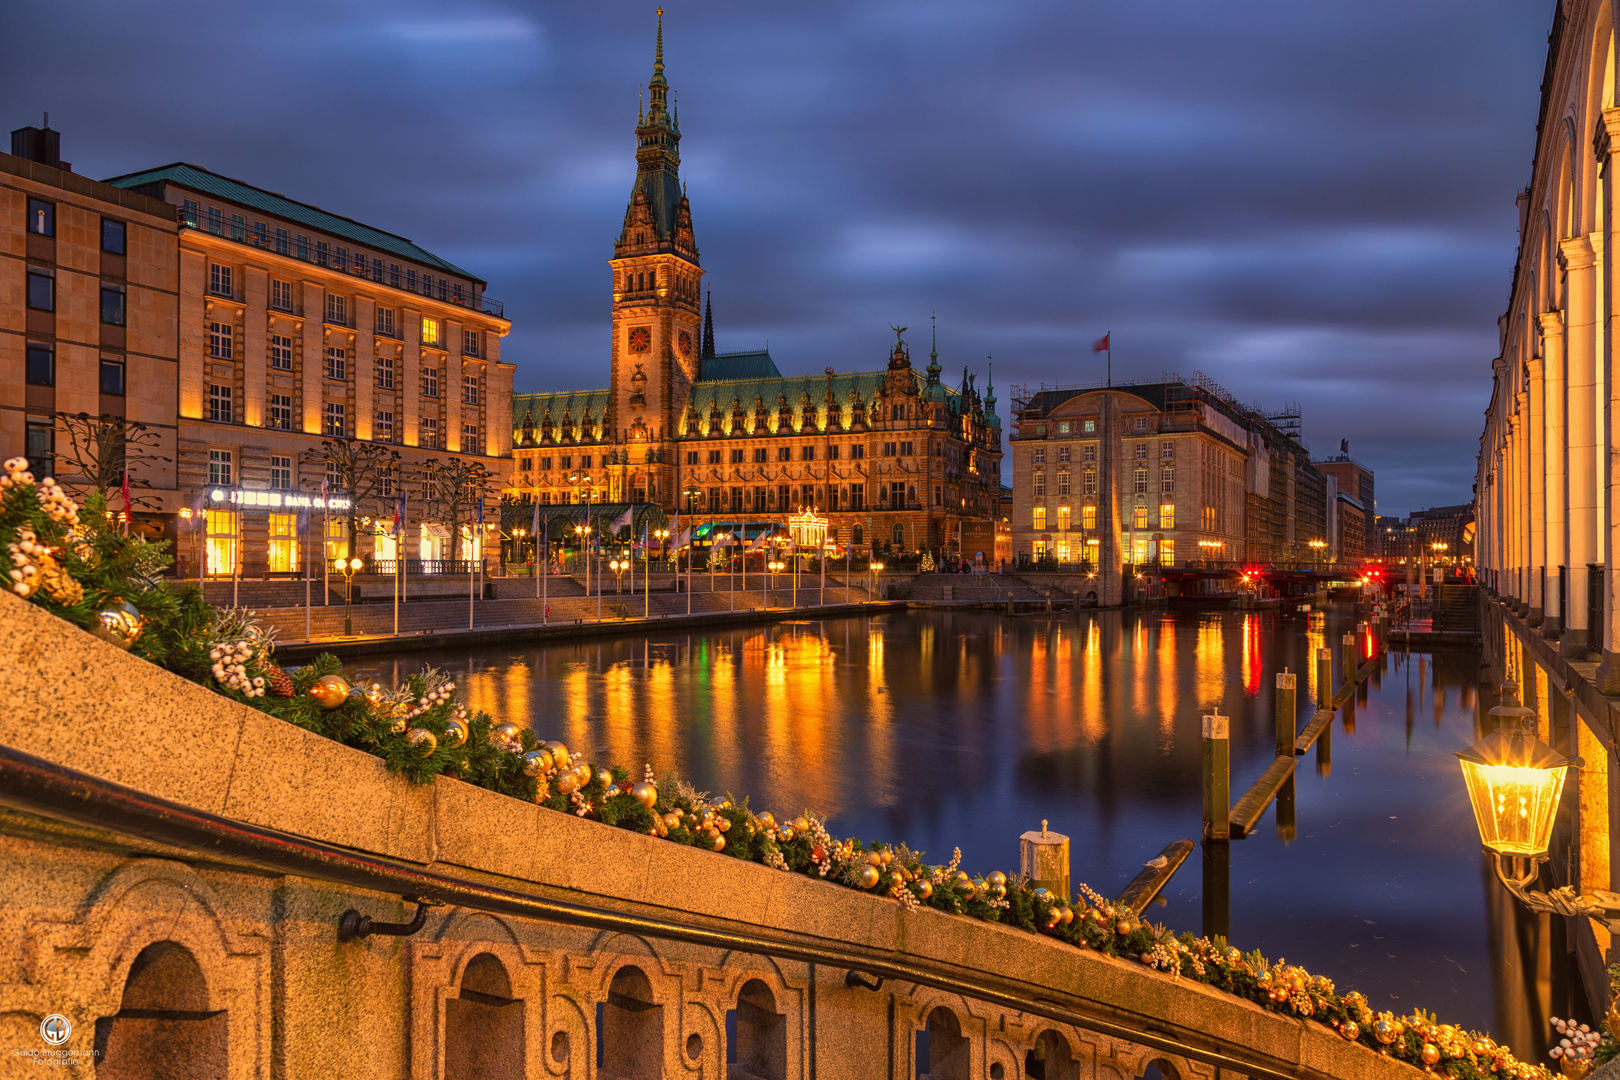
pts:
pixel 945 729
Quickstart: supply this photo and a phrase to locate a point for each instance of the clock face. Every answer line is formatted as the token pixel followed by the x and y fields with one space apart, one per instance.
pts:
pixel 640 339
pixel 684 343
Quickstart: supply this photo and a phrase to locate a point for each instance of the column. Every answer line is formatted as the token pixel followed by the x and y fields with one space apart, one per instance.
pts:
pixel 1579 254
pixel 1537 482
pixel 1555 449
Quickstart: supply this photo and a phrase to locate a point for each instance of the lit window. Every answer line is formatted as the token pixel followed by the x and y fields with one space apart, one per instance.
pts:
pixel 430 331
pixel 1039 515
pixel 1090 426
pixel 224 526
pixel 1063 428
pixel 1139 517
pixel 41 217
pixel 1167 516
pixel 1063 519
pixel 1088 517
pixel 1167 552
pixel 283 543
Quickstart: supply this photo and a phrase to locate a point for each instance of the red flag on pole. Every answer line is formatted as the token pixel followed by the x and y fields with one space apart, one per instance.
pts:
pixel 1101 344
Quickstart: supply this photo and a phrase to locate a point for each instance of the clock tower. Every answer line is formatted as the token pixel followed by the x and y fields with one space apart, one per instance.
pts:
pixel 657 317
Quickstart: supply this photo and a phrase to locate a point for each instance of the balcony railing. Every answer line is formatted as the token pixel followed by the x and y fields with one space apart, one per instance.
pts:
pixel 425 567
pixel 450 292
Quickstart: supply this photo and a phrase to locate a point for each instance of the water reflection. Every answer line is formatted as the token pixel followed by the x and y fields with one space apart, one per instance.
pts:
pixel 944 729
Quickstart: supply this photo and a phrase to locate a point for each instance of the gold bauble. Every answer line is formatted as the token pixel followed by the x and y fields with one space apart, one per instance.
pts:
pixel 118 624
pixel 868 877
pixel 646 794
pixel 604 777
pixel 767 820
pixel 424 740
pixel 582 773
pixel 1350 1030
pixel 997 879
pixel 1384 1031
pixel 925 888
pixel 535 762
pixel 541 789
pixel 1068 915
pixel 1124 926
pixel 559 753
pixel 1042 895
pixel 801 825
pixel 330 691
pixel 719 843
pixel 1431 1054
pixel 672 821
pixel 399 725
pixel 567 783
pixel 455 734
pixel 506 732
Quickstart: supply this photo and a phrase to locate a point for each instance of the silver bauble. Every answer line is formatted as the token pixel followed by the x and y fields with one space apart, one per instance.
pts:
pixel 119 624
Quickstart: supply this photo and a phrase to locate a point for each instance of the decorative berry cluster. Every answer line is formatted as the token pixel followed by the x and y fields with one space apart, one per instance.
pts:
pixel 230 668
pixel 1579 1041
pixel 57 504
pixel 26 553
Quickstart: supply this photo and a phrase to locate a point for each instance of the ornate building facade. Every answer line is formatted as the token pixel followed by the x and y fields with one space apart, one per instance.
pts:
pixel 895 458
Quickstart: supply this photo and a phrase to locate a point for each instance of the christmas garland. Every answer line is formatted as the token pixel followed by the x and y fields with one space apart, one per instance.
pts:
pixel 74 562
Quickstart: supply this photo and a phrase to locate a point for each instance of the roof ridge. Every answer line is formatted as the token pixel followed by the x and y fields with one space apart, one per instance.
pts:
pixel 265 190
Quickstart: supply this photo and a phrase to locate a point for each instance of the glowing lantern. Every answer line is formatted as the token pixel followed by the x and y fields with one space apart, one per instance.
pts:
pixel 1514 781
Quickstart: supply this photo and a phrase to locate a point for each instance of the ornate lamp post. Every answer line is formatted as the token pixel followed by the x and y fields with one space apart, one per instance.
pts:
pixel 873 569
pixel 662 536
pixel 1514 781
pixel 347 567
pixel 1316 551
pixel 619 565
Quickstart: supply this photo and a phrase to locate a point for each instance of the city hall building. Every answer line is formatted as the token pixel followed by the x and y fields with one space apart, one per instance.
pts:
pixel 894 458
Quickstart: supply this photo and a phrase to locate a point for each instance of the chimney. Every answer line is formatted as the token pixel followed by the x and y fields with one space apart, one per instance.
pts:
pixel 41 144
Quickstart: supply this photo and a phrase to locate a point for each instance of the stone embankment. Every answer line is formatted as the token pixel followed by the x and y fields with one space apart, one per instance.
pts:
pixel 192 916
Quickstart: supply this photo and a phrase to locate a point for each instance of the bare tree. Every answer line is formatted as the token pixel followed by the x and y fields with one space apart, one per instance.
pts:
pixel 100 448
pixel 364 471
pixel 454 489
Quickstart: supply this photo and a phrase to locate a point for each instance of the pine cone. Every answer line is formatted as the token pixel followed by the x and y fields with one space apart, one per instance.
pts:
pixel 278 681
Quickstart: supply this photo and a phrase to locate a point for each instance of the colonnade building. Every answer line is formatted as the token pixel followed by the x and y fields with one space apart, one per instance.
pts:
pixel 892 456
pixel 1545 490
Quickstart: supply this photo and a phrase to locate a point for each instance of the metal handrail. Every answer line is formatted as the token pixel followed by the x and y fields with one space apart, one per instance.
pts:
pixel 44 788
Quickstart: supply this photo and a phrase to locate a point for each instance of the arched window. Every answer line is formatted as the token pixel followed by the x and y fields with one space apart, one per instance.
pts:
pixel 942 1050
pixel 759 1051
pixel 1049 1059
pixel 163 1018
pixel 630 1029
pixel 483 1025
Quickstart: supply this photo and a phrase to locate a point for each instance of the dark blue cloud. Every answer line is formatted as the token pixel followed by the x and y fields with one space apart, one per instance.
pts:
pixel 1308 202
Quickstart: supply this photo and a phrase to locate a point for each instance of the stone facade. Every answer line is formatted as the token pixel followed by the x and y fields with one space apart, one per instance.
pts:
pixel 1156 474
pixel 294 326
pixel 88 311
pixel 159 954
pixel 896 459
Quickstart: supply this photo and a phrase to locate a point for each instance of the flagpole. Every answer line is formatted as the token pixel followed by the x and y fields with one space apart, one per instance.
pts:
pixel 534 531
pixel 545 586
pixel 399 557
pixel 1110 359
pixel 646 576
pixel 236 558
pixel 326 542
pixel 731 567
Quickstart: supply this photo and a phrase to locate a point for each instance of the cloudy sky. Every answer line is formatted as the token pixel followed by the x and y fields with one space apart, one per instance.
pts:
pixel 1308 202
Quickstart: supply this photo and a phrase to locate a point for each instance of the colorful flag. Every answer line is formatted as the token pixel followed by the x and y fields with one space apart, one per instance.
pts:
pixel 129 504
pixel 760 541
pixel 399 513
pixel 623 520
pixel 684 539
pixel 1101 344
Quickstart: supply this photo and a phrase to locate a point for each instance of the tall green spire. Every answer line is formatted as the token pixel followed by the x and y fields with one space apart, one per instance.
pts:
pixel 658 156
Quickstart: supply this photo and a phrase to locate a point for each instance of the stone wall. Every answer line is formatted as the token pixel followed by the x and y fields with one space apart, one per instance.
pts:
pixel 222 969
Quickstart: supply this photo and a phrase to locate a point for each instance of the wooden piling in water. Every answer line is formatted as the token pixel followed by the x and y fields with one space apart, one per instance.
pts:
pixel 1217 779
pixel 1155 874
pixel 1286 713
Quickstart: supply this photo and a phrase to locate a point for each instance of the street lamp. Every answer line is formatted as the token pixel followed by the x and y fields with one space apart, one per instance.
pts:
pixel 347 568
pixel 873 569
pixel 662 535
pixel 1514 781
pixel 1316 549
pixel 619 565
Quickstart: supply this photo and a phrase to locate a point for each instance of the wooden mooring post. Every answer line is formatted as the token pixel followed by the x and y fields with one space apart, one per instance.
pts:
pixel 1324 678
pixel 1287 714
pixel 1043 857
pixel 1349 644
pixel 1217 779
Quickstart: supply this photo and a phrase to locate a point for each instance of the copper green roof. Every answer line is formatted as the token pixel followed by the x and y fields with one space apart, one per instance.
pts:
pixel 752 364
pixel 196 178
pixel 575 404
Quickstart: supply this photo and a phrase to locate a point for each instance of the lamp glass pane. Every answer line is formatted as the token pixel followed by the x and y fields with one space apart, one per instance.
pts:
pixel 1514 806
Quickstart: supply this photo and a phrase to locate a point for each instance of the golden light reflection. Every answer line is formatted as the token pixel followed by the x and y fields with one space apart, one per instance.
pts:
pixel 1137 677
pixel 1315 641
pixel 1093 722
pixel 1037 698
pixel 1209 663
pixel 879 723
pixel 576 686
pixel 1169 703
pixel 1251 654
